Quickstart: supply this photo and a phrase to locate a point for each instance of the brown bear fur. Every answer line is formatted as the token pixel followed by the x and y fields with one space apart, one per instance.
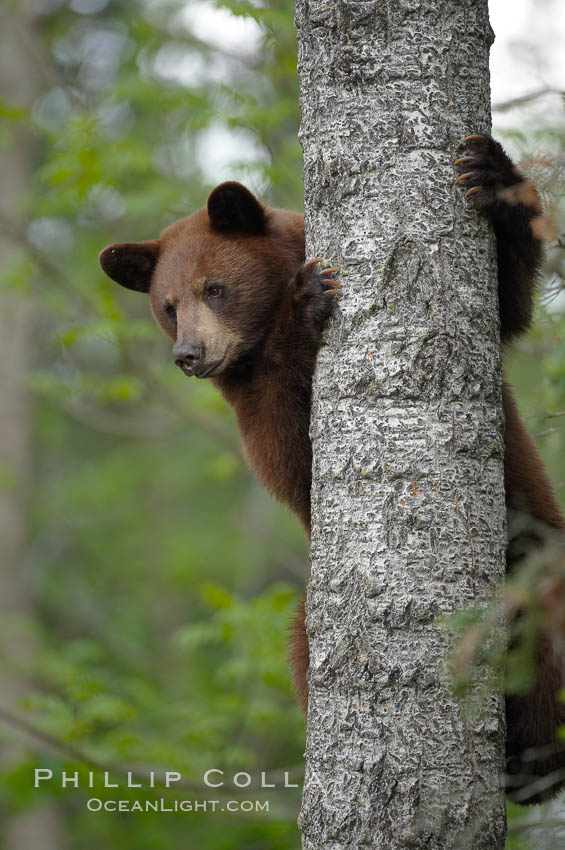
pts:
pixel 229 286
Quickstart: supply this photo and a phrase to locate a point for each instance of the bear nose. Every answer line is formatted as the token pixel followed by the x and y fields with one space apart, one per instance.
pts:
pixel 187 355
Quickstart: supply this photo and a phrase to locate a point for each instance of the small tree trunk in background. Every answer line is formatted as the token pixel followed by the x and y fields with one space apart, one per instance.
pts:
pixel 38 826
pixel 408 494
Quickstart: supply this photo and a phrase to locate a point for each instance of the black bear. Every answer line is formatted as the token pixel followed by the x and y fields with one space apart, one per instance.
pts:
pixel 230 286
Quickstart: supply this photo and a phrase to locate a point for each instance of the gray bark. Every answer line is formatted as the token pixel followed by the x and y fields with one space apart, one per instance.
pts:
pixel 408 493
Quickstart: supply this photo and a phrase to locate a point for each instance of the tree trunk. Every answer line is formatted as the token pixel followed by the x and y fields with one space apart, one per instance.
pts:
pixel 408 495
pixel 40 825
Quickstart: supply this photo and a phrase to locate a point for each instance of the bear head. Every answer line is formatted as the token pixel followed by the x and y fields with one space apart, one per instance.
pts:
pixel 215 279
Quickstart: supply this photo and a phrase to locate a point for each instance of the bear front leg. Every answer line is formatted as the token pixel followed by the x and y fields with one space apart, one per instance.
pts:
pixel 307 304
pixel 274 411
pixel 498 188
pixel 313 290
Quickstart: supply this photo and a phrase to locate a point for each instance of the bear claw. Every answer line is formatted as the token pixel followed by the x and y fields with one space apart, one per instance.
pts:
pixel 492 178
pixel 315 289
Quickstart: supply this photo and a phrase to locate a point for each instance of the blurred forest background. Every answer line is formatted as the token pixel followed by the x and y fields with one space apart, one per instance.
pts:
pixel 147 580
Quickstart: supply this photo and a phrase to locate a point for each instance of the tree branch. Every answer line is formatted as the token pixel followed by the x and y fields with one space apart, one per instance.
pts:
pixel 524 99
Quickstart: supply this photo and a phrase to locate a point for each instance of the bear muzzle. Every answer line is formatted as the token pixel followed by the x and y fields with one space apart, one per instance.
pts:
pixel 190 358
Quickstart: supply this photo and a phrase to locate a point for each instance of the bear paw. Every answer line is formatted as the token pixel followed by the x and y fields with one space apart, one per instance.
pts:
pixel 493 180
pixel 315 290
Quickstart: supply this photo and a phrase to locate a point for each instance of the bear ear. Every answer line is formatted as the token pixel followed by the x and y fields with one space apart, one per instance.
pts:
pixel 131 264
pixel 232 208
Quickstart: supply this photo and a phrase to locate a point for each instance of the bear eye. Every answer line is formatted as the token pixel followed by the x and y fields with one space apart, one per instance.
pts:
pixel 214 290
pixel 171 313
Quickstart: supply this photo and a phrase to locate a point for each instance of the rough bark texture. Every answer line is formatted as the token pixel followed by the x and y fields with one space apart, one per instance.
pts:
pixel 408 494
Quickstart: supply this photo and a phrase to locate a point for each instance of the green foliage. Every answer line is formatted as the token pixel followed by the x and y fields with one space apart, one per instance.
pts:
pixel 163 578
